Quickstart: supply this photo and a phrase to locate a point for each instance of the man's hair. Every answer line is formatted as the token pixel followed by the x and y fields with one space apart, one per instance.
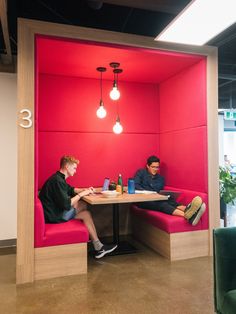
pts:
pixel 152 159
pixel 68 160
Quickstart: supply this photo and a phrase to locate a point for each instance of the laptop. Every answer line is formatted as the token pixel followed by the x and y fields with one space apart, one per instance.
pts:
pixel 105 186
pixel 106 183
pixel 172 194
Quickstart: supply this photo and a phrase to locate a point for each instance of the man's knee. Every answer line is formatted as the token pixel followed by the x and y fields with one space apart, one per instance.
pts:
pixel 81 205
pixel 84 215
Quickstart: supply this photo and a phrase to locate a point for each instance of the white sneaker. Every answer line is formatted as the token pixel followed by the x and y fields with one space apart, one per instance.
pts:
pixel 106 248
pixel 196 217
pixel 193 207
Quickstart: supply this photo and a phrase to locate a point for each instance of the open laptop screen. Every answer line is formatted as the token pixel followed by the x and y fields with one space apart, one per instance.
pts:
pixel 105 184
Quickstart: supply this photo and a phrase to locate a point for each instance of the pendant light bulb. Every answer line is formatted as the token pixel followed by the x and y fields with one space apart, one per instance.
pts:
pixel 117 128
pixel 115 93
pixel 101 112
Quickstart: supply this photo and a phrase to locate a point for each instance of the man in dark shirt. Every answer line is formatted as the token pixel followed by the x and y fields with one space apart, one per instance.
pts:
pixel 62 202
pixel 149 179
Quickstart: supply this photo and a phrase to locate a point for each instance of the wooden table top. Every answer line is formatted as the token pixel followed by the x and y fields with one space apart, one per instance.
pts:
pixel 95 199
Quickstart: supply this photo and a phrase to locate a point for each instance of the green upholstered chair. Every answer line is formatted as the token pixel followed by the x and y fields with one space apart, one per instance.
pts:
pixel 224 240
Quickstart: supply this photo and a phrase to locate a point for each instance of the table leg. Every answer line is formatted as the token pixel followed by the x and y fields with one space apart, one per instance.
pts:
pixel 116 223
pixel 124 247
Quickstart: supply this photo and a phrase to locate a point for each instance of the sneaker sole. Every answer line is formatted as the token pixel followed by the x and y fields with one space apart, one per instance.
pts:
pixel 195 205
pixel 106 252
pixel 199 214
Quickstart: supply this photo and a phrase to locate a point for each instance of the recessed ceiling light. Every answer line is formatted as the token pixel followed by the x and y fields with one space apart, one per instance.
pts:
pixel 200 21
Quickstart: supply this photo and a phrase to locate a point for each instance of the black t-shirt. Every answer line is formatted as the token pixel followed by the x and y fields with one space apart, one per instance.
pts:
pixel 56 197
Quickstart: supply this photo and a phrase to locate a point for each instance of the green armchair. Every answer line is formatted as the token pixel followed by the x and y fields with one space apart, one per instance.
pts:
pixel 224 240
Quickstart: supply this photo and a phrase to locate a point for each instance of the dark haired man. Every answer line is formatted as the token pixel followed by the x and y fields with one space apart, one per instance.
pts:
pixel 150 179
pixel 62 202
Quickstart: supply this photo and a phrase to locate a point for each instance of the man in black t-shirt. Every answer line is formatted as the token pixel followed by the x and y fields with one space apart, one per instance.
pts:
pixel 150 179
pixel 62 202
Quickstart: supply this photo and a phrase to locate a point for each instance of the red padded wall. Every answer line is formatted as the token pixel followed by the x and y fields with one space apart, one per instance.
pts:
pixel 100 154
pixel 67 124
pixel 70 104
pixel 184 158
pixel 183 131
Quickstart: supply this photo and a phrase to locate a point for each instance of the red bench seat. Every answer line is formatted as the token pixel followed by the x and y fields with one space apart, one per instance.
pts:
pixel 169 235
pixel 170 223
pixel 167 223
pixel 73 231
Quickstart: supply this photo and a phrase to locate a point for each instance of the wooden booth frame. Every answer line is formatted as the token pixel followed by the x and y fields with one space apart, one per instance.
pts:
pixel 28 264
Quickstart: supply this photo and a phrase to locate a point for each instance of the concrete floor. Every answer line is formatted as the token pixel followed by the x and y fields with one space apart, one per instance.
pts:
pixel 137 283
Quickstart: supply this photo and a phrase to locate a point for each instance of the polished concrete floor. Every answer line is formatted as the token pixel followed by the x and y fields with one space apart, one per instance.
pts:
pixel 137 283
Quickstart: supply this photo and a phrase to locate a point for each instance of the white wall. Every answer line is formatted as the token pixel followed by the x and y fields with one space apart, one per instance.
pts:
pixel 229 125
pixel 227 139
pixel 8 156
pixel 230 146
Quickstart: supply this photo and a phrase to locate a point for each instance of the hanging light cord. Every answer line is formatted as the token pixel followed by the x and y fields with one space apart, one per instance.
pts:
pixel 116 79
pixel 101 70
pixel 101 85
pixel 117 109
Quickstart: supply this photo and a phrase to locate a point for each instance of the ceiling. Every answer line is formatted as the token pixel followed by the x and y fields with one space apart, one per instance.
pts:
pixel 138 64
pixel 140 17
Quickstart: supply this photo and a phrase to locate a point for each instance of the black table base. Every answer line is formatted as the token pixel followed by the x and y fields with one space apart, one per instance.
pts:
pixel 123 247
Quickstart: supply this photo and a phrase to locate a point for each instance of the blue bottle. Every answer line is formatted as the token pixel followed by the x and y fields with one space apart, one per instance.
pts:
pixel 131 186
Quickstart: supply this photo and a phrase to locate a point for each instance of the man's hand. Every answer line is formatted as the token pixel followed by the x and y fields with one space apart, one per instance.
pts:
pixel 86 192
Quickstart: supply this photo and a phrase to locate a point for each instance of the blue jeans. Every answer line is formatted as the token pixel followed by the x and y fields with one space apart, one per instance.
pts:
pixel 167 207
pixel 69 214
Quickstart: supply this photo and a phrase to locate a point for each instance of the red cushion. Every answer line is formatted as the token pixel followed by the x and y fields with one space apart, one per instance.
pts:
pixel 170 223
pixel 167 223
pixel 39 223
pixel 186 197
pixel 73 231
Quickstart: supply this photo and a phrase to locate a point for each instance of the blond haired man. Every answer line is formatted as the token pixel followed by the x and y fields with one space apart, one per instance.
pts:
pixel 62 202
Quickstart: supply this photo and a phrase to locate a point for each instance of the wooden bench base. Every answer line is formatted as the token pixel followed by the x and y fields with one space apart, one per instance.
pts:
pixel 174 246
pixel 61 260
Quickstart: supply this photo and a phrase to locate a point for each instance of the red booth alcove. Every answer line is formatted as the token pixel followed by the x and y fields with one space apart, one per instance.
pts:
pixel 162 109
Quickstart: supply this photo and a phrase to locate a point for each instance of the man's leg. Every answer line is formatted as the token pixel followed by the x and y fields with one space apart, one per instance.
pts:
pixel 195 209
pixel 88 221
pixel 192 212
pixel 179 211
pixel 86 217
pixel 162 206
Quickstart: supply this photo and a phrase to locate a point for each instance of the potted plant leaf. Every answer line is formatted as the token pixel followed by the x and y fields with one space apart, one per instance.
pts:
pixel 227 190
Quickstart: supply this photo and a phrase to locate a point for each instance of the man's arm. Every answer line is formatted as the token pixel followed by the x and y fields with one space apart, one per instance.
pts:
pixel 138 179
pixel 80 194
pixel 77 190
pixel 160 183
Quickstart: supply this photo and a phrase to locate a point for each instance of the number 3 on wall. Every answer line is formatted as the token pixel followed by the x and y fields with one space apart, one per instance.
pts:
pixel 27 118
